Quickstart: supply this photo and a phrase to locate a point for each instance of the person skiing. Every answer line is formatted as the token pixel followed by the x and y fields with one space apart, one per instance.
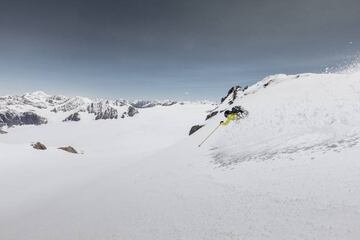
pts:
pixel 235 113
pixel 229 118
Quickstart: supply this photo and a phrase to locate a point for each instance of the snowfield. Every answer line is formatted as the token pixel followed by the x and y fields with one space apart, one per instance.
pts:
pixel 290 170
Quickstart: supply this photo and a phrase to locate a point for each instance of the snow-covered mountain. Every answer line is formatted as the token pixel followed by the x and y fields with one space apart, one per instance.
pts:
pixel 289 114
pixel 38 108
pixel 290 169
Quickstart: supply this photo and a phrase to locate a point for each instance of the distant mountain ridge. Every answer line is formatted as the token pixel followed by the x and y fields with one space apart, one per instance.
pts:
pixel 36 108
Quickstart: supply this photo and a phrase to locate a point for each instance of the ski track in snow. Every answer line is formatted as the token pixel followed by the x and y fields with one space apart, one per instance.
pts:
pixel 222 159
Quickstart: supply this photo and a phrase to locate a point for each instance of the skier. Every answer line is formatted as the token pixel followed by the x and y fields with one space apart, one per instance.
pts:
pixel 235 113
pixel 229 118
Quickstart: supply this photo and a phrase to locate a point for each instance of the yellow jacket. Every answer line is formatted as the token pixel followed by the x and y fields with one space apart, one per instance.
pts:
pixel 231 117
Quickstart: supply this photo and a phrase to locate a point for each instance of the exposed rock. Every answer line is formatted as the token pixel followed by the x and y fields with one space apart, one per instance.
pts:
pixel 167 103
pixel 268 83
pixel 11 118
pixel 73 117
pixel 143 104
pixel 132 111
pixel 194 129
pixel 102 110
pixel 30 118
pixel 68 149
pixel 39 146
pixel 109 113
pixel 148 103
pixel 232 91
pixel 212 114
pixel 119 103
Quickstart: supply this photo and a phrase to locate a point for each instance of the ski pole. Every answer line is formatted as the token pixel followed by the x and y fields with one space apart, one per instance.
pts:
pixel 209 135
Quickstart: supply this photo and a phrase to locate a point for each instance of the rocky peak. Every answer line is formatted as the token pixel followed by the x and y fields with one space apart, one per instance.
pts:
pixel 102 110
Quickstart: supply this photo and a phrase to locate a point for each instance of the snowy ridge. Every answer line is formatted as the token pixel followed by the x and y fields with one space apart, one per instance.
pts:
pixel 289 114
pixel 75 103
pixel 61 108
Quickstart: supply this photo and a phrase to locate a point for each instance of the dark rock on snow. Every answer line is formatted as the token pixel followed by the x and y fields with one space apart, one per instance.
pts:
pixel 233 91
pixel 132 111
pixel 212 114
pixel 268 83
pixel 39 146
pixel 168 103
pixel 12 118
pixel 143 104
pixel 73 117
pixel 148 103
pixel 102 111
pixel 109 113
pixel 194 129
pixel 30 118
pixel 69 149
pixel 9 118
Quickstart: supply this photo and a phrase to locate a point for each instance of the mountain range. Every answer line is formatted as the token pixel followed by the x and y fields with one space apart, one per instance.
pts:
pixel 36 108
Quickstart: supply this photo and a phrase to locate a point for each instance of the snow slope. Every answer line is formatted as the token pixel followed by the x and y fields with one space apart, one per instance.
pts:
pixel 299 113
pixel 290 170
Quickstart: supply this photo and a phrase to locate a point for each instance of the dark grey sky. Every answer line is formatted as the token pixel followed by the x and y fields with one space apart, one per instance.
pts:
pixel 168 49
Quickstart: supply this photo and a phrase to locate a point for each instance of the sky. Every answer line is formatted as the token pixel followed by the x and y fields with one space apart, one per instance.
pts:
pixel 161 49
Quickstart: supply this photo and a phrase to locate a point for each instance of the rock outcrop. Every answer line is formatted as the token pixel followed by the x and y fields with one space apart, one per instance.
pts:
pixel 68 149
pixel 30 118
pixel 232 91
pixel 12 118
pixel 143 104
pixel 210 115
pixel 109 113
pixel 194 129
pixel 75 117
pixel 167 103
pixel 148 103
pixel 39 146
pixel 102 110
pixel 132 111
